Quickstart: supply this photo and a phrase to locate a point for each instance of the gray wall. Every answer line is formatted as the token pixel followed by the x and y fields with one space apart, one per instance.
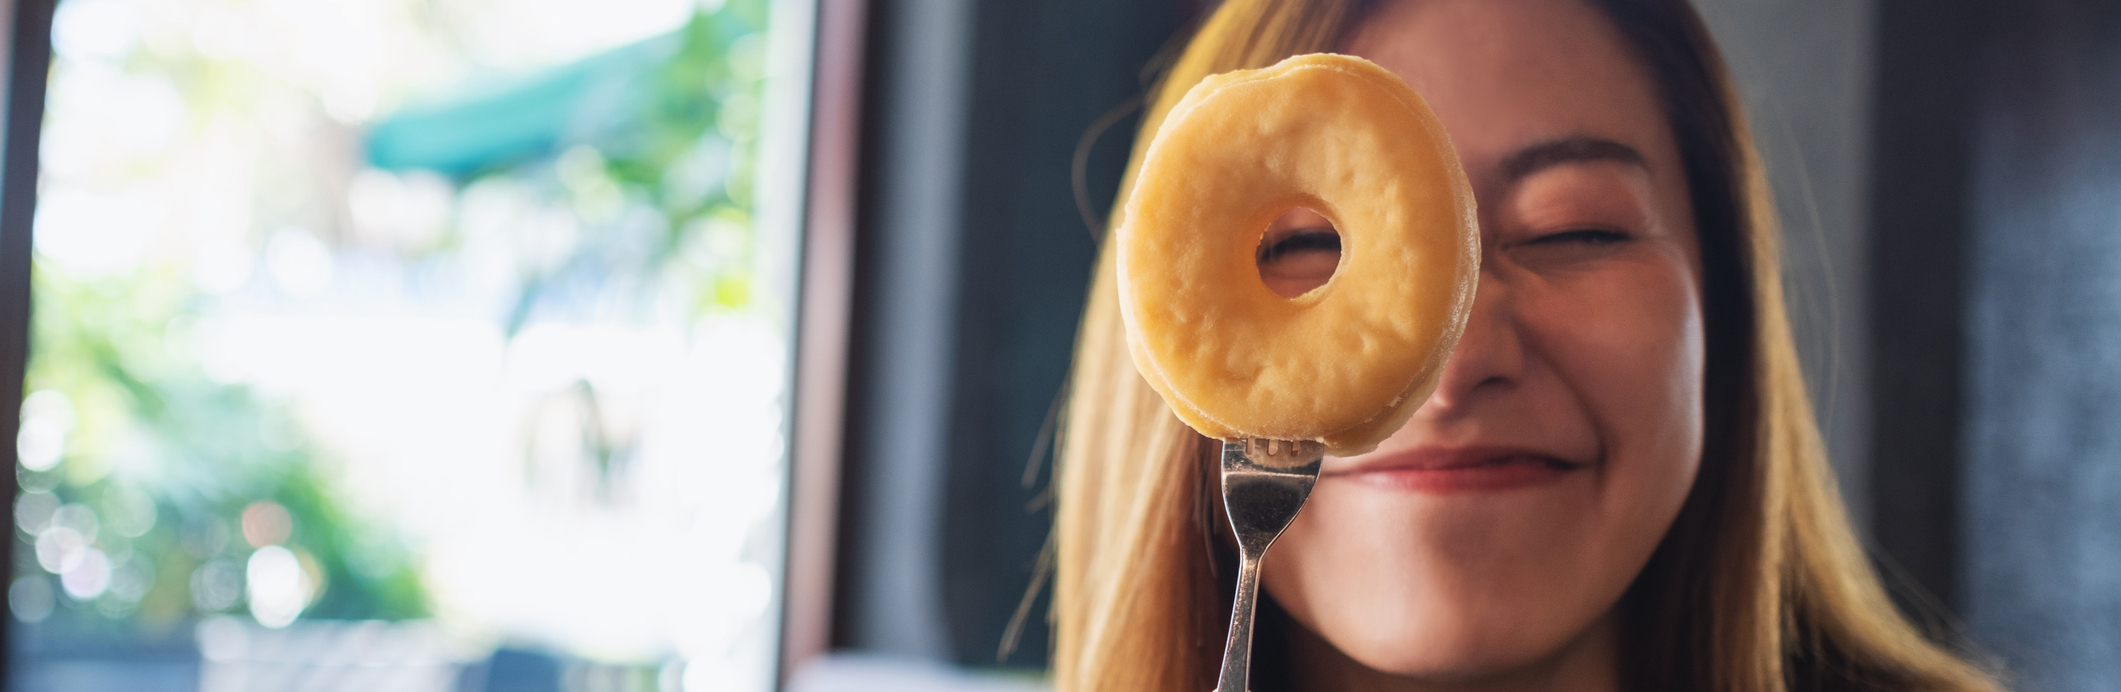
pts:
pixel 1804 71
pixel 972 267
pixel 907 292
pixel 1949 176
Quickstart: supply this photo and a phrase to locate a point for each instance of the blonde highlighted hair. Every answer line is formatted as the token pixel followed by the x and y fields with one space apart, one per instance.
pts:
pixel 1759 585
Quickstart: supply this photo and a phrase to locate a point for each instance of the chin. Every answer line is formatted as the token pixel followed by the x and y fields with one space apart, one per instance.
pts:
pixel 1451 588
pixel 1444 641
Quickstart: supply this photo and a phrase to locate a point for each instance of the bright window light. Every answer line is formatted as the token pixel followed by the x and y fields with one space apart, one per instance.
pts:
pixel 431 341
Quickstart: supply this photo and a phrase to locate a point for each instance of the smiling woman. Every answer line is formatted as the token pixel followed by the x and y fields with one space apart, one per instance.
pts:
pixel 1567 429
pixel 1617 484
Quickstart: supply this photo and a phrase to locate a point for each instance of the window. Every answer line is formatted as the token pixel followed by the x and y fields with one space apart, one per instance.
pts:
pixel 443 343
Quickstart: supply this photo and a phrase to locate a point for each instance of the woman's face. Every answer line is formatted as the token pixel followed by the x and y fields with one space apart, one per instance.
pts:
pixel 1490 538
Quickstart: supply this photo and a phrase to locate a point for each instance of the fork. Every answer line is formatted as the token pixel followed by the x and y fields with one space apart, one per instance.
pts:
pixel 1265 483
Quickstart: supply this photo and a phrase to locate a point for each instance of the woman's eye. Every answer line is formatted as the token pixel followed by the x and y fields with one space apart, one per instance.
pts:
pixel 1299 262
pixel 1301 241
pixel 1570 249
pixel 1595 237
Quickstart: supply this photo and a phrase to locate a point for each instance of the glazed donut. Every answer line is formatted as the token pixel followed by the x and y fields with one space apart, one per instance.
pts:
pixel 1348 362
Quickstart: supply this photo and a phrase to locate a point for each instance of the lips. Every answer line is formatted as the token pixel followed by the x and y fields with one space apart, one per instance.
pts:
pixel 1444 472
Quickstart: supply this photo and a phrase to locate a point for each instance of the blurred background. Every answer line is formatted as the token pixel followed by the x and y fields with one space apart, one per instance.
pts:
pixel 403 345
pixel 715 344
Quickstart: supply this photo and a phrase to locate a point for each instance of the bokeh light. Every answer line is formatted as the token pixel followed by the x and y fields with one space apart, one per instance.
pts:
pixel 266 523
pixel 47 418
pixel 30 598
pixel 279 586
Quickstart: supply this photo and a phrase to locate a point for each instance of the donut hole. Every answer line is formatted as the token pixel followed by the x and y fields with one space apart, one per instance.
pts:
pixel 1299 252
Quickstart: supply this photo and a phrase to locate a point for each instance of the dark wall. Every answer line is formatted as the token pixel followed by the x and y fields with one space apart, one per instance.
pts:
pixel 1996 252
pixel 901 368
pixel 1922 138
pixel 1045 72
pixel 974 264
pixel 2041 486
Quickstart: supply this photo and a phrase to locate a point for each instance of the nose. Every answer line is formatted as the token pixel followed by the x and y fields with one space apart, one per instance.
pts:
pixel 1490 355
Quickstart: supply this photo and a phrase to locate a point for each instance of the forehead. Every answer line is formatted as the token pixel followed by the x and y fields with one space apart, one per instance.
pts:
pixel 1505 74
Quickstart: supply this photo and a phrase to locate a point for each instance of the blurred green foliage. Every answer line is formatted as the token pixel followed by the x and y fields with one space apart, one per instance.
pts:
pixel 664 192
pixel 663 200
pixel 149 421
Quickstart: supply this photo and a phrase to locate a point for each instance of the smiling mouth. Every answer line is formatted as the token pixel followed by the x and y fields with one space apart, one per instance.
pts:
pixel 1452 473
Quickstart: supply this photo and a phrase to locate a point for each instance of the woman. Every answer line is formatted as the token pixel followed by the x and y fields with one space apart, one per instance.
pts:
pixel 1618 483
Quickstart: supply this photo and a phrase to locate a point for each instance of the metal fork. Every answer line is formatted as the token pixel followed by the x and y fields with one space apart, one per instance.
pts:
pixel 1265 482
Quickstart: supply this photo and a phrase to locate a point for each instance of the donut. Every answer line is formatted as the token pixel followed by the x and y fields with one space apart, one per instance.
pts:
pixel 1347 363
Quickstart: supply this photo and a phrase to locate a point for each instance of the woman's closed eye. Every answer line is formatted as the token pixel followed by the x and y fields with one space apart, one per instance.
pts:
pixel 1568 248
pixel 1594 237
pixel 1301 261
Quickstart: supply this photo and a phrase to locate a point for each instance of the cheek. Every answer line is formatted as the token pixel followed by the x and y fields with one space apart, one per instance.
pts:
pixel 1628 343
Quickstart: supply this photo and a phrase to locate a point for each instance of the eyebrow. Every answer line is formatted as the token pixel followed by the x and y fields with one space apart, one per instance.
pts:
pixel 1578 149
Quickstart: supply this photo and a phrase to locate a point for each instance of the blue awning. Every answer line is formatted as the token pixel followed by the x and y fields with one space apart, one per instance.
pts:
pixel 511 121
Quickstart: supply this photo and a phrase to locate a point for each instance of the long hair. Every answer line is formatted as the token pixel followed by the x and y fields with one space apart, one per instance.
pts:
pixel 1759 585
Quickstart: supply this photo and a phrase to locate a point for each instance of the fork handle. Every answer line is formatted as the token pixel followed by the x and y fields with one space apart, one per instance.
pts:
pixel 1237 652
